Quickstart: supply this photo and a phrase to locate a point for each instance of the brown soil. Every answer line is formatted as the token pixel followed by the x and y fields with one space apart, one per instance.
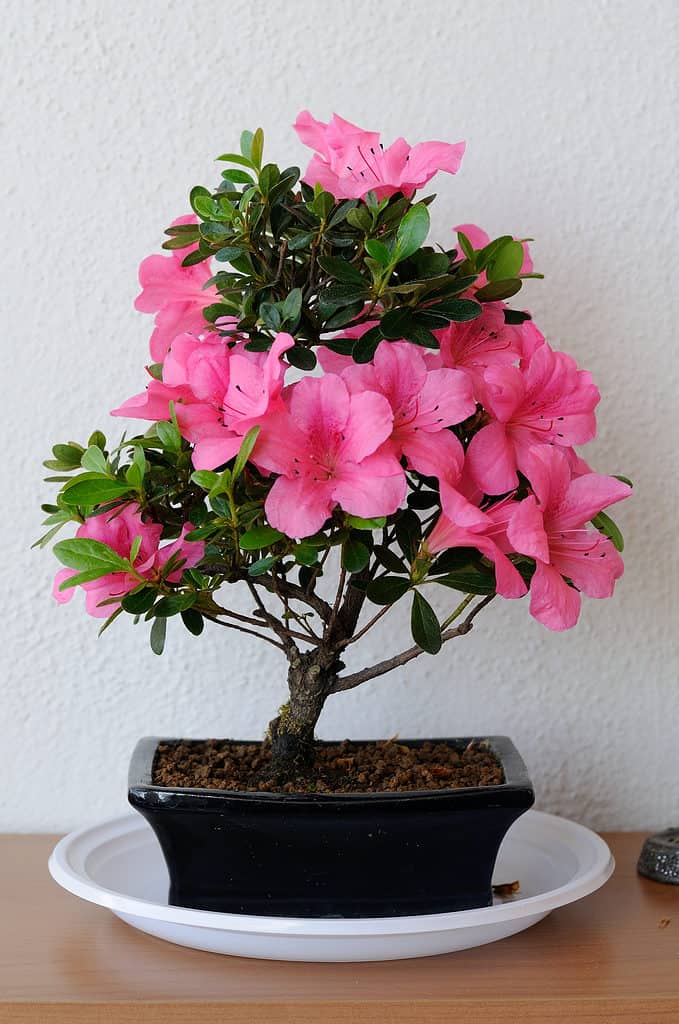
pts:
pixel 385 766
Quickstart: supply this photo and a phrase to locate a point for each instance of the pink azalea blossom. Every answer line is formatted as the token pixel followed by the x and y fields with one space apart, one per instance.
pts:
pixel 119 531
pixel 216 425
pixel 219 393
pixel 351 162
pixel 551 527
pixel 175 293
pixel 193 371
pixel 324 446
pixel 474 346
pixel 424 404
pixel 462 526
pixel 548 401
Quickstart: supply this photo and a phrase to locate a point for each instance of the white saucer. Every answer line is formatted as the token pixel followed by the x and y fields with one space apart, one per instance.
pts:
pixel 119 865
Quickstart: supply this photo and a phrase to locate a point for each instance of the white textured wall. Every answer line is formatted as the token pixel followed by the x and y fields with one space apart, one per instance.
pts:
pixel 110 112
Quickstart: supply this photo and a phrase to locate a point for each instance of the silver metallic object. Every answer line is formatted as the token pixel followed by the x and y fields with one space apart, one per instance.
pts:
pixel 659 858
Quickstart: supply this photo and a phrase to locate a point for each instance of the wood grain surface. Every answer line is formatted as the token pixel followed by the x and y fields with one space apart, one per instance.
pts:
pixel 612 957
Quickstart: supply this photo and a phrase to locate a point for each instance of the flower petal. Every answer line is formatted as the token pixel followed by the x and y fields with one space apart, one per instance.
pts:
pixel 552 601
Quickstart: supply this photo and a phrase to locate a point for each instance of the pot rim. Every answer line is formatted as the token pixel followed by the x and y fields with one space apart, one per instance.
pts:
pixel 517 780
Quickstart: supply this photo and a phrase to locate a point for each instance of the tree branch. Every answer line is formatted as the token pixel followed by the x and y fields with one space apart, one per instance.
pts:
pixel 243 629
pixel 284 634
pixel 382 667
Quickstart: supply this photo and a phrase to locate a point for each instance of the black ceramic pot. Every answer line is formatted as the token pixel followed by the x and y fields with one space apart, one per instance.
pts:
pixel 343 855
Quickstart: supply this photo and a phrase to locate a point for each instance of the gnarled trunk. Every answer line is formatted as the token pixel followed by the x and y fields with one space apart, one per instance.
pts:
pixel 310 678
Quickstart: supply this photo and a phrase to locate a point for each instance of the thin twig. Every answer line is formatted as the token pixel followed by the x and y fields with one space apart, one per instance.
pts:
pixel 364 630
pixel 281 631
pixel 382 667
pixel 330 625
pixel 243 629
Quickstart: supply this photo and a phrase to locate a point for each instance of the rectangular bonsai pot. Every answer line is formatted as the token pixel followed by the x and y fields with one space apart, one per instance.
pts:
pixel 332 855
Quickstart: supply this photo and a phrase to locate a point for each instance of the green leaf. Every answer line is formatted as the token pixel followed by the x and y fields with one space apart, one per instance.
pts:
pixel 379 251
pixel 338 295
pixel 196 194
pixel 93 491
pixel 169 436
pixel 292 307
pixel 387 589
pixel 135 548
pixel 610 529
pixel 239 177
pixel 158 632
pixel 262 565
pixel 365 524
pixel 470 580
pixel 234 158
pixel 173 604
pixel 389 559
pixel 394 323
pixel 365 347
pixel 246 139
pixel 269 176
pixel 98 439
pixel 497 290
pixel 344 316
pixel 360 218
pixel 302 358
pixel 229 253
pixel 466 246
pixel 458 310
pixel 305 554
pixel 408 531
pixel 86 555
pixel 355 555
pixel 245 451
pixel 412 232
pixel 506 263
pixel 139 601
pixel 82 577
pixel 193 620
pixel 259 537
pixel 94 460
pixel 424 625
pixel 623 479
pixel 205 478
pixel 68 454
pixel 515 316
pixel 419 335
pixel 256 148
pixel 270 315
pixel 341 270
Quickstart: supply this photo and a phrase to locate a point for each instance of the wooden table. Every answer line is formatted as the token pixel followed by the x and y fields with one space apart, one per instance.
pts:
pixel 612 957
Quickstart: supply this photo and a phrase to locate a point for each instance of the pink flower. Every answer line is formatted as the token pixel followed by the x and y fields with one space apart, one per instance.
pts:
pixel 175 293
pixel 119 531
pixel 549 401
pixel 462 526
pixel 217 422
pixel 219 393
pixel 324 446
pixel 478 344
pixel 550 526
pixel 351 162
pixel 424 404
pixel 193 371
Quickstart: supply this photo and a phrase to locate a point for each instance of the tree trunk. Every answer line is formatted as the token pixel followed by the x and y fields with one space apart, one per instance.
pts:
pixel 310 678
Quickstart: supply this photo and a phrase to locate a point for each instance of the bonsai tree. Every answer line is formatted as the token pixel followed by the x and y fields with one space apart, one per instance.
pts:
pixel 342 417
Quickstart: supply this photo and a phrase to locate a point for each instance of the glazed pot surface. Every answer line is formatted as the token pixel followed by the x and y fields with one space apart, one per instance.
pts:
pixel 332 855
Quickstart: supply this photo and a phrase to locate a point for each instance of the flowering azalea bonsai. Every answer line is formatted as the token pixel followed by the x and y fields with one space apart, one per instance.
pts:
pixel 342 417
